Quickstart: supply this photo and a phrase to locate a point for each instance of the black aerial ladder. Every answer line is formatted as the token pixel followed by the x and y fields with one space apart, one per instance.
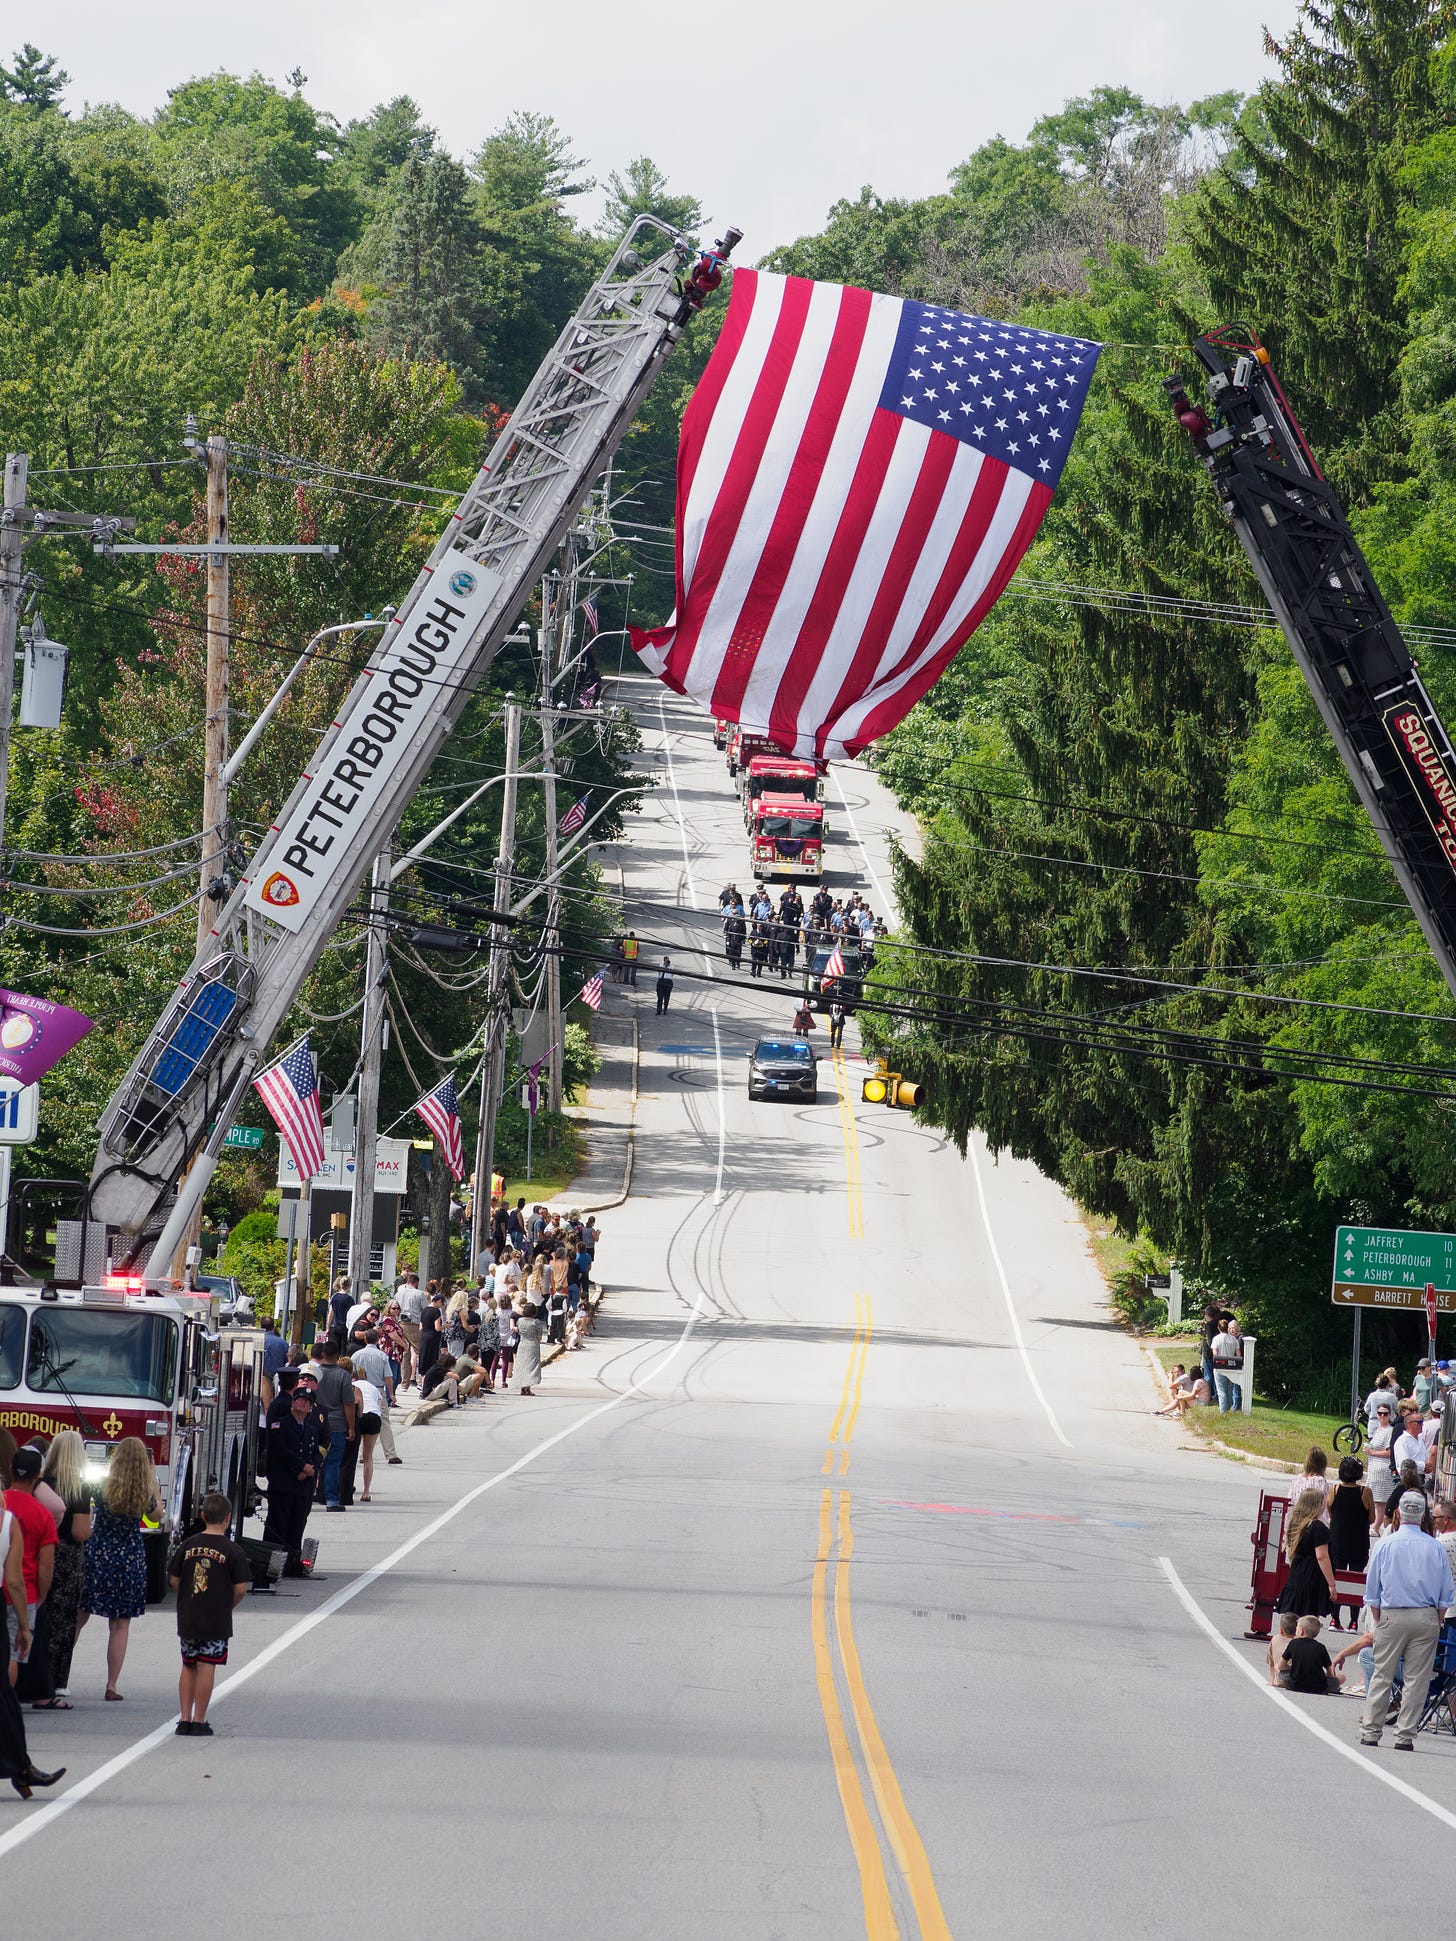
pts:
pixel 1359 669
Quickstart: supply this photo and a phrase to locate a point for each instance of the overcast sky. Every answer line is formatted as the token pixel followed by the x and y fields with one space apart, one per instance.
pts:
pixel 767 110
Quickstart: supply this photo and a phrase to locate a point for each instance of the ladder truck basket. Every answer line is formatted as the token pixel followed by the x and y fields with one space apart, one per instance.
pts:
pixel 190 1037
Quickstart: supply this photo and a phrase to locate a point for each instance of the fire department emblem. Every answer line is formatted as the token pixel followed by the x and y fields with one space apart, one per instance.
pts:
pixel 113 1425
pixel 462 583
pixel 280 890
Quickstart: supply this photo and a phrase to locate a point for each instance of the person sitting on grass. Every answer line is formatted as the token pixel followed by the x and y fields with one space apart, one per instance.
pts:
pixel 1184 1392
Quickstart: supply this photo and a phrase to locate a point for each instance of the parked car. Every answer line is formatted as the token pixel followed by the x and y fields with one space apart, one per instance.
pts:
pixel 235 1306
pixel 783 1068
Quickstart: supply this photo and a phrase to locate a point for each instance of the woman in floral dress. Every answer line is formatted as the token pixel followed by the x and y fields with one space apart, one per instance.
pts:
pixel 115 1583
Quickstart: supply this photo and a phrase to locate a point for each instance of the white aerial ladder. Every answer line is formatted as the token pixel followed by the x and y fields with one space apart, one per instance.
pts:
pixel 170 1113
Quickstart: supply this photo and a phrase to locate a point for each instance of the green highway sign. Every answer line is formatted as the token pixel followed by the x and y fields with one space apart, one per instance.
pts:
pixel 249 1138
pixel 1385 1267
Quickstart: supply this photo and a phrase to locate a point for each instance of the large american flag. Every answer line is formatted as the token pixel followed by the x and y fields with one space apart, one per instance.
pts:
pixel 440 1111
pixel 573 819
pixel 591 992
pixel 289 1089
pixel 858 477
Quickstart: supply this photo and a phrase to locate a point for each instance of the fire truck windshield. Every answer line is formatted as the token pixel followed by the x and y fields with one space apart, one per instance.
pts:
pixel 788 825
pixel 103 1353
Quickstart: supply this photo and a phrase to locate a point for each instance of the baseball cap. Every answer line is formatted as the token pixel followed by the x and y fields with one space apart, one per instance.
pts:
pixel 1412 1506
pixel 1424 1362
pixel 27 1462
pixel 1443 1364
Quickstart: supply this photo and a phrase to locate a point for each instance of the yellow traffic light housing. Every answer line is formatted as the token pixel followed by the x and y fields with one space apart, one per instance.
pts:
pixel 876 1089
pixel 909 1092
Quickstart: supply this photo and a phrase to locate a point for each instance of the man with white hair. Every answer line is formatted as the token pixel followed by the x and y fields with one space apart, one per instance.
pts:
pixel 1409 1588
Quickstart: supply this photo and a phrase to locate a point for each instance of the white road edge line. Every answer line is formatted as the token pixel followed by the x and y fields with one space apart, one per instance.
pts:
pixel 886 903
pixel 1285 1704
pixel 53 1810
pixel 1056 1426
pixel 718 1194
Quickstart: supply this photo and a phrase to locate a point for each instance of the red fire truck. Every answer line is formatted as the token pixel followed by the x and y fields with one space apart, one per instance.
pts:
pixel 786 836
pixel 743 746
pixel 780 775
pixel 115 1361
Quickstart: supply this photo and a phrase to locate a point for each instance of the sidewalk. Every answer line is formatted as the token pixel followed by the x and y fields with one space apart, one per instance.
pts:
pixel 608 1116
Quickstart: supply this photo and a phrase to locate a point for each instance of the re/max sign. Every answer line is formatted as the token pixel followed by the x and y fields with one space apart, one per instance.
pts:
pixel 1423 762
pixel 387 718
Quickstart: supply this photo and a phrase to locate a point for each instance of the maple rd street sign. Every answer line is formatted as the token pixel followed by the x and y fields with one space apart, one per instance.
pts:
pixel 1384 1267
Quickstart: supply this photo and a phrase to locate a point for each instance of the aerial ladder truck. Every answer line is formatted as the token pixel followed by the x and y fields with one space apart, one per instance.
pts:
pixel 1350 650
pixel 164 1126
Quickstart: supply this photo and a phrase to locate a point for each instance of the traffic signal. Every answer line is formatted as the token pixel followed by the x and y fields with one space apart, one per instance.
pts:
pixel 892 1088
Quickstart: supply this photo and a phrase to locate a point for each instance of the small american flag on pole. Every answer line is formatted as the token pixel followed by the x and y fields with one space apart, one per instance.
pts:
pixel 593 616
pixel 573 819
pixel 833 970
pixel 440 1111
pixel 289 1089
pixel 591 992
pixel 858 477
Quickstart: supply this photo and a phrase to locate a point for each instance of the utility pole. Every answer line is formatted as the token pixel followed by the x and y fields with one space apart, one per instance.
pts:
pixel 215 725
pixel 371 1047
pixel 493 1070
pixel 550 614
pixel 12 540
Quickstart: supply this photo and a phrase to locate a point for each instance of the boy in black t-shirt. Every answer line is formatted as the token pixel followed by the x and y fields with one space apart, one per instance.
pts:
pixel 1307 1665
pixel 211 1575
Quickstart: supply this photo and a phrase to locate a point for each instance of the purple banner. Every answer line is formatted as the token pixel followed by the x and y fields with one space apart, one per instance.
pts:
pixel 35 1034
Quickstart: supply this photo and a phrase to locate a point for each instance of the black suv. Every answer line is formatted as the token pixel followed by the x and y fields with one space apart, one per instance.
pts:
pixel 783 1068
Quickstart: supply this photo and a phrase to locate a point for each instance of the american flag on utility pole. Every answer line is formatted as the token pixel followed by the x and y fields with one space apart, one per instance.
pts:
pixel 573 819
pixel 289 1089
pixel 440 1111
pixel 591 992
pixel 593 616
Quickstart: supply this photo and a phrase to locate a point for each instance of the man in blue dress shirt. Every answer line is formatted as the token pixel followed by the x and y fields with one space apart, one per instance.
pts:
pixel 1409 1589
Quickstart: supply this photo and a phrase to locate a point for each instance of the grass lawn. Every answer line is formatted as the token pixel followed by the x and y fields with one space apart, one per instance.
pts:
pixel 548 1184
pixel 1283 1435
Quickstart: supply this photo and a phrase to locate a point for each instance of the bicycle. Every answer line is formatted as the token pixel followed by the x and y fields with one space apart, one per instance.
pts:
pixel 1350 1438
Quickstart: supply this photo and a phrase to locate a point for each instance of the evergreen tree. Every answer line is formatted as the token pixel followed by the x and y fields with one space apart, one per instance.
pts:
pixel 432 269
pixel 643 191
pixel 1298 233
pixel 36 80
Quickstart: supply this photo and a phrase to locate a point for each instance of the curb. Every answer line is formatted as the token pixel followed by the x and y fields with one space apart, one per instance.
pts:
pixel 602 1206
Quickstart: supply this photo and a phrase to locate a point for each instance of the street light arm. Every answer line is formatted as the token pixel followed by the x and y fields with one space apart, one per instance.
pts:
pixel 250 740
pixel 428 840
pixel 576 848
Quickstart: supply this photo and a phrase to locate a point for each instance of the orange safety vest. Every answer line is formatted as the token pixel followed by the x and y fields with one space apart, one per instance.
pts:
pixel 629 949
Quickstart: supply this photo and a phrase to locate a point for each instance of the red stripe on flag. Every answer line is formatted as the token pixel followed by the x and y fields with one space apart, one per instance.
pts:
pixel 824 606
pixel 971 536
pixel 738 480
pixel 896 705
pixel 905 555
pixel 704 401
pixel 804 476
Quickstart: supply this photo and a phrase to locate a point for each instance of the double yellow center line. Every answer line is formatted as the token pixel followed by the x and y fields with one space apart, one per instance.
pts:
pixel 836 1663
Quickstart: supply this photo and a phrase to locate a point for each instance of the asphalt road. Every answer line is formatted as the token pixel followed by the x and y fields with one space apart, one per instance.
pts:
pixel 834 1591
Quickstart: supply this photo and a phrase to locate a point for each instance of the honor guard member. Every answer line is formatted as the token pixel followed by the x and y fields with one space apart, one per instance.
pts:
pixel 293 1467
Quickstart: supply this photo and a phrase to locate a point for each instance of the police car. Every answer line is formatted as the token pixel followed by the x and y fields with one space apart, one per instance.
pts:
pixel 783 1068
